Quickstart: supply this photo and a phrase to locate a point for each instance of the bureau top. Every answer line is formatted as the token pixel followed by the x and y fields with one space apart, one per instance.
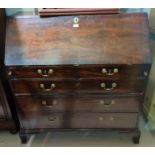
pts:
pixel 90 39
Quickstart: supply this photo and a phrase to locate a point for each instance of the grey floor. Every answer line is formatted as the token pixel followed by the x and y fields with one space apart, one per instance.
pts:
pixel 80 139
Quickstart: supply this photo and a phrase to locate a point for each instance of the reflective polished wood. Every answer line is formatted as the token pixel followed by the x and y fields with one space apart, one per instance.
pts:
pixel 83 72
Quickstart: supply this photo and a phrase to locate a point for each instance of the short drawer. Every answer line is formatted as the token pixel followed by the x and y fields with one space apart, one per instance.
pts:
pixel 42 72
pixel 79 71
pixel 84 86
pixel 81 120
pixel 113 71
pixel 87 103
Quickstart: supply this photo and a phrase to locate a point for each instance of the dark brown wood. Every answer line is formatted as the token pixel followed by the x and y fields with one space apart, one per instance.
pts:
pixel 32 72
pixel 81 120
pixel 5 111
pixel 44 12
pixel 7 125
pixel 1 112
pixel 76 86
pixel 2 34
pixel 81 71
pixel 87 76
pixel 32 105
pixel 6 119
pixel 113 39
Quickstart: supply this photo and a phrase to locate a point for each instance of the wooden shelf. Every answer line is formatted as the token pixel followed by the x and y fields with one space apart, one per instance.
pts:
pixel 76 11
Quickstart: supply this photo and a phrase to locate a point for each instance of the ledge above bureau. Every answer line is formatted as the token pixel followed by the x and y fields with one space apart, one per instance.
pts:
pixel 78 72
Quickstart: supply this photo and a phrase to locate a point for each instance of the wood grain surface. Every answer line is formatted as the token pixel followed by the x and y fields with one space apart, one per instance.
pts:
pixel 81 120
pixel 99 39
pixel 32 105
pixel 82 90
pixel 45 12
pixel 81 71
pixel 28 87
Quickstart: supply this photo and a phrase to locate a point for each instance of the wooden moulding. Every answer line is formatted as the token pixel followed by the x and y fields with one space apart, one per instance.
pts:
pixel 43 12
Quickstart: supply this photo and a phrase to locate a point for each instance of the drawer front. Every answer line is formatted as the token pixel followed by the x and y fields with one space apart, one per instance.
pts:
pixel 39 105
pixel 114 71
pixel 43 72
pixel 81 120
pixel 81 71
pixel 85 86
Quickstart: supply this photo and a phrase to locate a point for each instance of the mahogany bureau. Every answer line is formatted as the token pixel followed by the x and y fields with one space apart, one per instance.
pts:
pixel 78 72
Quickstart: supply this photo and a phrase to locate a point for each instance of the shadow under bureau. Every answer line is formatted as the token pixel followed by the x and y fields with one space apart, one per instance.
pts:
pixel 78 72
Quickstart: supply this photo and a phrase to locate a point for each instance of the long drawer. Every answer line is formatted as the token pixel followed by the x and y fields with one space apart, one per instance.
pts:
pixel 47 104
pixel 82 71
pixel 72 86
pixel 81 120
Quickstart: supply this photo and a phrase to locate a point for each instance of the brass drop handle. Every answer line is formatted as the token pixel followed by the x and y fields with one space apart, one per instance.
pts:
pixel 52 118
pixel 9 73
pixel 102 118
pixel 44 103
pixel 107 104
pixel 113 85
pixel 109 71
pixel 111 118
pixel 52 86
pixel 45 73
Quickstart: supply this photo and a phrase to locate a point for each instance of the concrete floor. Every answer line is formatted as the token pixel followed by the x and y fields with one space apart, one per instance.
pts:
pixel 81 139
